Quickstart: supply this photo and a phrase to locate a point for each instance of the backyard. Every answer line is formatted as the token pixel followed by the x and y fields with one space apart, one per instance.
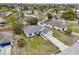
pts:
pixel 37 45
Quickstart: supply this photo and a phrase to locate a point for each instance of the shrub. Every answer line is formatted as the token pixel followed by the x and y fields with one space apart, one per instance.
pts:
pixel 68 31
pixel 34 21
pixel 69 15
pixel 49 15
pixel 17 28
pixel 21 42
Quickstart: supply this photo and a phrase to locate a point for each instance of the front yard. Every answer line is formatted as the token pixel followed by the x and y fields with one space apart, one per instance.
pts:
pixel 37 45
pixel 66 39
pixel 73 27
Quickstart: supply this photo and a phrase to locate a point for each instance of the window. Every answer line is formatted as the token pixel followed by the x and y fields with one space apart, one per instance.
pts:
pixel 30 34
pixel 35 33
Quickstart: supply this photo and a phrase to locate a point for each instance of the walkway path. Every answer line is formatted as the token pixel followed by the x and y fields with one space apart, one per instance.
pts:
pixel 55 41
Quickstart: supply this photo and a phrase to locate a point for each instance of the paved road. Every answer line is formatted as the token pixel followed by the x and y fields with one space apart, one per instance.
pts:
pixel 55 41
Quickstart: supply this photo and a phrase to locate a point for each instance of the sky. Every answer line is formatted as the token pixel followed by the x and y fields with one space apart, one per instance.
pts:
pixel 40 1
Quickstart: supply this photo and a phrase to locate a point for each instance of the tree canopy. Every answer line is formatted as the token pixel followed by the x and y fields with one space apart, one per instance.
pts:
pixel 34 21
pixel 13 21
pixel 69 15
pixel 49 15
pixel 21 42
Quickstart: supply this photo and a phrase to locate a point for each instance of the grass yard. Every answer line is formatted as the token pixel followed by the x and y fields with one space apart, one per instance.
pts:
pixel 37 45
pixel 66 39
pixel 4 9
pixel 12 18
pixel 73 27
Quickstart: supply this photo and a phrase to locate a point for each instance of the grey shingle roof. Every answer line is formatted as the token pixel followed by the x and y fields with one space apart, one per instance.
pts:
pixel 45 31
pixel 32 29
pixel 56 23
pixel 74 50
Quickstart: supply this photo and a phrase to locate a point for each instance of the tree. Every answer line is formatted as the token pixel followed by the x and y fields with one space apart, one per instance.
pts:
pixel 49 15
pixel 4 9
pixel 69 15
pixel 21 42
pixel 56 8
pixel 13 20
pixel 34 7
pixel 34 21
pixel 68 31
pixel 43 8
pixel 21 14
pixel 17 27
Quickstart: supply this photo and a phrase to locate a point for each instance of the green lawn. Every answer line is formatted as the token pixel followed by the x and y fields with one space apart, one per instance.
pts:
pixel 12 18
pixel 4 9
pixel 73 27
pixel 37 45
pixel 66 39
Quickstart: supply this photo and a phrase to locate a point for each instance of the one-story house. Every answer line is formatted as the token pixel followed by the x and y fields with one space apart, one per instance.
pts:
pixel 5 14
pixel 57 24
pixel 37 11
pixel 2 14
pixel 32 30
pixel 5 47
pixel 2 22
pixel 28 12
pixel 77 13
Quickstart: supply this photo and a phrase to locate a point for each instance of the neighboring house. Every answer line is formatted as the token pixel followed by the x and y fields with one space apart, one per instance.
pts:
pixel 37 11
pixel 57 24
pixel 32 30
pixel 2 22
pixel 2 14
pixel 5 14
pixel 73 50
pixel 28 12
pixel 77 12
pixel 5 47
